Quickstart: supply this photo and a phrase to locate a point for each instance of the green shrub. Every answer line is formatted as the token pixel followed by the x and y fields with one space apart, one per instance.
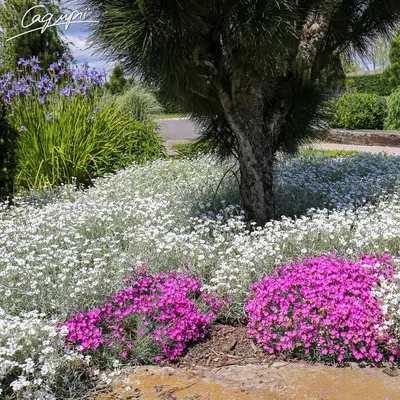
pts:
pixel 370 84
pixel 393 114
pixel 143 144
pixel 192 149
pixel 8 161
pixel 358 111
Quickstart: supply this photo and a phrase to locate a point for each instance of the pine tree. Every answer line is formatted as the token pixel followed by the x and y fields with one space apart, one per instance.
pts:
pixel 117 83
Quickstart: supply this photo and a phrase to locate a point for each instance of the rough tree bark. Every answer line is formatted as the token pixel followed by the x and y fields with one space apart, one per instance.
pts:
pixel 257 138
pixel 257 127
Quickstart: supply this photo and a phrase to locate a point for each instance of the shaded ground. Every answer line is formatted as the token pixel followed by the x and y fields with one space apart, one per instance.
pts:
pixel 228 366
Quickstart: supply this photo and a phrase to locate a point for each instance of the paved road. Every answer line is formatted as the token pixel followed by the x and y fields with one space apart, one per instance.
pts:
pixel 177 130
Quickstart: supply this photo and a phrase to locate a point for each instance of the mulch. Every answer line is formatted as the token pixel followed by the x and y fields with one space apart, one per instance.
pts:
pixel 226 345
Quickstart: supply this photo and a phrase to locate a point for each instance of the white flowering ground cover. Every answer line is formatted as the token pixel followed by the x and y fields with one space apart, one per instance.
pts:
pixel 60 253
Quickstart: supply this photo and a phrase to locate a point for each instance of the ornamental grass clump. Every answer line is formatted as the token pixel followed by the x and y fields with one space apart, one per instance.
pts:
pixel 69 131
pixel 162 312
pixel 323 309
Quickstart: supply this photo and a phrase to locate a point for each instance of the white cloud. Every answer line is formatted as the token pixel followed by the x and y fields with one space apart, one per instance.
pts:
pixel 77 36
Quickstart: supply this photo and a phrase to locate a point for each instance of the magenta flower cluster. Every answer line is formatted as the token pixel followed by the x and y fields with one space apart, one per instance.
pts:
pixel 171 309
pixel 323 309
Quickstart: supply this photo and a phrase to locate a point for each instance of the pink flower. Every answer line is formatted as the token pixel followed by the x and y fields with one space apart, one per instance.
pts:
pixel 172 306
pixel 324 304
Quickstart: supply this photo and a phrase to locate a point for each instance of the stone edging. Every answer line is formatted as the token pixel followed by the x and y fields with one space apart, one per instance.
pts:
pixel 363 137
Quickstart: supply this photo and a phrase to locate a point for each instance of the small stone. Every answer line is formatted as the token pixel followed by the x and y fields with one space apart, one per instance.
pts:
pixel 228 346
pixel 391 372
pixel 254 347
pixel 279 364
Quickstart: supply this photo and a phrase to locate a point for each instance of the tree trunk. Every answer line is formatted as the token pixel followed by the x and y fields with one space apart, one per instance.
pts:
pixel 256 159
pixel 257 138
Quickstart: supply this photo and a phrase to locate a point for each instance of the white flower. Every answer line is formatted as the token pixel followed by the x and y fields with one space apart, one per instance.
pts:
pixel 71 249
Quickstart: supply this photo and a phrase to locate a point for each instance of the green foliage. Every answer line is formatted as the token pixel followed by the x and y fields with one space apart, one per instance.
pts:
pixel 373 84
pixel 359 111
pixel 117 83
pixel 350 66
pixel 140 103
pixel 170 106
pixel 393 114
pixel 69 147
pixel 192 150
pixel 253 74
pixel 190 51
pixel 327 153
pixel 47 45
pixel 145 143
pixel 8 161
pixel 392 73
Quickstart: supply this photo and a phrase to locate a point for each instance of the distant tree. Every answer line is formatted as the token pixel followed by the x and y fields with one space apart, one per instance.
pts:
pixel 379 53
pixel 48 46
pixel 393 71
pixel 254 73
pixel 117 83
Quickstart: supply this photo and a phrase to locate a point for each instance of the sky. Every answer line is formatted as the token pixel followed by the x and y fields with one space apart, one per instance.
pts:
pixel 77 34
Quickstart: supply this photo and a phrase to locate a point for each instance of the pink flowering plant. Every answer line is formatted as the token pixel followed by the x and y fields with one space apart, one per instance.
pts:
pixel 323 309
pixel 153 317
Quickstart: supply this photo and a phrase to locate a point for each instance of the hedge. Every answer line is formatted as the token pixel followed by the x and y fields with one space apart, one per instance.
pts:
pixel 372 84
pixel 358 111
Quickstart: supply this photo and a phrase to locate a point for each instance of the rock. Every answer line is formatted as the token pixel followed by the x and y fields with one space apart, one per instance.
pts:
pixel 254 347
pixel 279 364
pixel 391 372
pixel 158 388
pixel 229 345
pixel 353 365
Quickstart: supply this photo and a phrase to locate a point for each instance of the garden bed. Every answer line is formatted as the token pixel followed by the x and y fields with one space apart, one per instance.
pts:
pixel 66 250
